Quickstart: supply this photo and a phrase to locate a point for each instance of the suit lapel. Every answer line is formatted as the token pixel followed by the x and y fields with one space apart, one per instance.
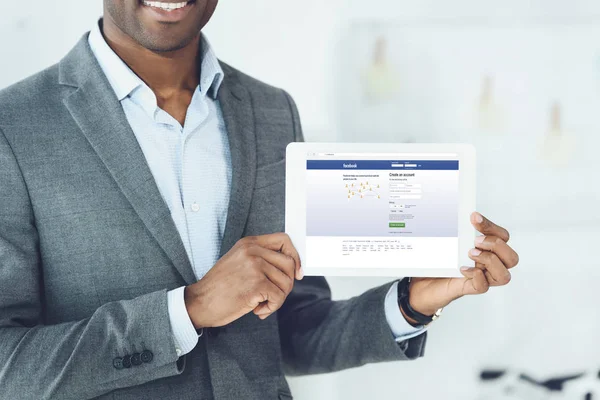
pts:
pixel 98 113
pixel 238 115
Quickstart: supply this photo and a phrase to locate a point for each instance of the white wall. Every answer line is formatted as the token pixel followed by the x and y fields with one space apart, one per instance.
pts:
pixel 293 44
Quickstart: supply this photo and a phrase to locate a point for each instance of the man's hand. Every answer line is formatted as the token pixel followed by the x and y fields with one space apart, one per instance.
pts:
pixel 257 274
pixel 493 259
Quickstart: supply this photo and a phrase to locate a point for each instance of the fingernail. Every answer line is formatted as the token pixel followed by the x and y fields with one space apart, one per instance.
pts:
pixel 479 239
pixel 478 218
pixel 301 273
pixel 465 269
pixel 475 252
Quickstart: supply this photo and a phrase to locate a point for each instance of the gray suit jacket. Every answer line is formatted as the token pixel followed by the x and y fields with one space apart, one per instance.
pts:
pixel 88 251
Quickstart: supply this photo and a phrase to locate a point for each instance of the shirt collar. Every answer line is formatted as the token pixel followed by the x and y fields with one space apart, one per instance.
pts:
pixel 211 73
pixel 124 81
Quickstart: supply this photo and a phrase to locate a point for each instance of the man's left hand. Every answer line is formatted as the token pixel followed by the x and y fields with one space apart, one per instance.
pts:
pixel 493 260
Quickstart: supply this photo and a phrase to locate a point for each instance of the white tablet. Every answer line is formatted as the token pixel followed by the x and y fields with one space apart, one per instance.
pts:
pixel 381 209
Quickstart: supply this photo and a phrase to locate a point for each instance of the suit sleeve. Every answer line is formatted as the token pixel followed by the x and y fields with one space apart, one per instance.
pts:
pixel 72 360
pixel 319 335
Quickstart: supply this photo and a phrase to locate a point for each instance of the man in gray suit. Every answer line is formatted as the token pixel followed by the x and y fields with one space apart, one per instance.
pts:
pixel 141 192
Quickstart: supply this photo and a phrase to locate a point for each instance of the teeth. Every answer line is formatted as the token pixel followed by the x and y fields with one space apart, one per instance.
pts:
pixel 165 6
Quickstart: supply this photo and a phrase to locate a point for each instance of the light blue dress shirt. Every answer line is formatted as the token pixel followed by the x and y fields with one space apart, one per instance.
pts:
pixel 191 165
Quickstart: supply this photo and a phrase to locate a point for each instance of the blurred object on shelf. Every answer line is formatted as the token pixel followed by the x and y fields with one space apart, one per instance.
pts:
pixel 587 388
pixel 380 79
pixel 559 146
pixel 505 384
pixel 490 118
pixel 370 97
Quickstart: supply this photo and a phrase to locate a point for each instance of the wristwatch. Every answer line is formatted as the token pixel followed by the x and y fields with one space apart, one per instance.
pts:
pixel 403 297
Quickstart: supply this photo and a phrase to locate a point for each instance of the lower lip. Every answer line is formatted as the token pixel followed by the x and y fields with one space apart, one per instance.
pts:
pixel 169 16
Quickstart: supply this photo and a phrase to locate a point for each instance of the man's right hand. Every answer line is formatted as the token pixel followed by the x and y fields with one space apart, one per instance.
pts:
pixel 257 274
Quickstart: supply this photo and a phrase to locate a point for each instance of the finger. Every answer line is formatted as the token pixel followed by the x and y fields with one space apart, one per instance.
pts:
pixel 475 282
pixel 262 309
pixel 280 242
pixel 273 298
pixel 491 263
pixel 282 281
pixel 490 279
pixel 283 262
pixel 278 277
pixel 496 245
pixel 487 227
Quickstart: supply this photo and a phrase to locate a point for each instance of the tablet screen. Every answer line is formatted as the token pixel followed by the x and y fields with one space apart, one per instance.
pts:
pixel 383 210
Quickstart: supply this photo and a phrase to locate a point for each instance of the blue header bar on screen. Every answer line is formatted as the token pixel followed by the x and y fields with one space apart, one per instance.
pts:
pixel 400 165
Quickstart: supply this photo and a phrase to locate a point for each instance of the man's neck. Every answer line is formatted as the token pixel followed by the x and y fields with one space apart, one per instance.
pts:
pixel 166 73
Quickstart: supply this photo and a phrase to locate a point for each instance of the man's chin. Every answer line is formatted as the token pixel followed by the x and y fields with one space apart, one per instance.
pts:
pixel 162 44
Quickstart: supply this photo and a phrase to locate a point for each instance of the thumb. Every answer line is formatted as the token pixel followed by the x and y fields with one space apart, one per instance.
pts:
pixel 474 282
pixel 468 272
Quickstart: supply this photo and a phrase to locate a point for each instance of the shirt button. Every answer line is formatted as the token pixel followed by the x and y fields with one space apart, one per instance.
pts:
pixel 195 207
pixel 178 351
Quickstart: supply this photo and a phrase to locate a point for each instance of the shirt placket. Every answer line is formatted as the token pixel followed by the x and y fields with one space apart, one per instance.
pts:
pixel 191 186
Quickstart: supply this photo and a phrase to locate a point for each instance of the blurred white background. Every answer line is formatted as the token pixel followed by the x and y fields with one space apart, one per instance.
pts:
pixel 519 79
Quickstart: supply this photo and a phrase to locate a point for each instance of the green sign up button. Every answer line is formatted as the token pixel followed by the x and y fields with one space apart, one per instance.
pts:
pixel 397 225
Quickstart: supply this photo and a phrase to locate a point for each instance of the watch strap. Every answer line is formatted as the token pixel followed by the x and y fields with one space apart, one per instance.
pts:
pixel 409 311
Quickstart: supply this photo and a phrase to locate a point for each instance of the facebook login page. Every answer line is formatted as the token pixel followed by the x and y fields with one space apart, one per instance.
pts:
pixel 382 210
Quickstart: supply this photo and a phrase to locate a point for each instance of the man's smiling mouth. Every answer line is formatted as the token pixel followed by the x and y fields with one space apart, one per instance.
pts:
pixel 165 5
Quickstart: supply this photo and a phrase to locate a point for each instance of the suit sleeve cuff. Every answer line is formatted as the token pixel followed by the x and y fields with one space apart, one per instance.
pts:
pixel 400 327
pixel 184 333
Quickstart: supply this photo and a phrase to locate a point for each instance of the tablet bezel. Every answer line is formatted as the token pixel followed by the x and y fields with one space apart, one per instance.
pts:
pixel 295 202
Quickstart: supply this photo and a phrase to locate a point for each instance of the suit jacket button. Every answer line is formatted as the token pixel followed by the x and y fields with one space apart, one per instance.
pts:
pixel 146 356
pixel 118 363
pixel 127 361
pixel 136 359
